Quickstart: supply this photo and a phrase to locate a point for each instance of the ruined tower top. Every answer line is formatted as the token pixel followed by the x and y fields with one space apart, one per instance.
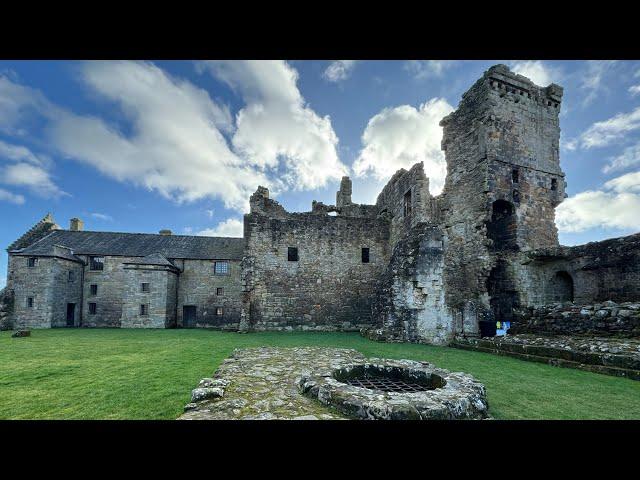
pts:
pixel 343 196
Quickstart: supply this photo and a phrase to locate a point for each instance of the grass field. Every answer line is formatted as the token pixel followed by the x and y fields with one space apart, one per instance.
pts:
pixel 149 374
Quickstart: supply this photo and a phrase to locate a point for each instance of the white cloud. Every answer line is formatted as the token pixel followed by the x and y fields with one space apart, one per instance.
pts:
pixel 209 213
pixel 176 146
pixel 634 90
pixel 538 72
pixel 592 78
pixel 231 227
pixel 35 178
pixel 102 216
pixel 617 205
pixel 605 132
pixel 399 137
pixel 570 145
pixel 629 157
pixel 422 69
pixel 277 131
pixel 18 153
pixel 7 196
pixel 339 70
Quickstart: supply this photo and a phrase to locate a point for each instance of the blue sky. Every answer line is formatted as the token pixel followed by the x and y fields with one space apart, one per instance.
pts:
pixel 142 146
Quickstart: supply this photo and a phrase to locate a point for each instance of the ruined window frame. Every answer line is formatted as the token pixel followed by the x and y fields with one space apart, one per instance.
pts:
pixel 144 309
pixel 224 267
pixel 293 254
pixel 219 291
pixel 32 262
pixel 96 263
pixel 30 302
pixel 71 277
pixel 145 287
pixel 93 308
pixel 219 312
pixel 407 202
pixel 365 255
pixel 554 184
pixel 93 291
pixel 515 175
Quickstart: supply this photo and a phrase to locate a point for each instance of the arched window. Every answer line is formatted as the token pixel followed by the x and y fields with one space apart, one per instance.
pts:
pixel 561 287
pixel 502 227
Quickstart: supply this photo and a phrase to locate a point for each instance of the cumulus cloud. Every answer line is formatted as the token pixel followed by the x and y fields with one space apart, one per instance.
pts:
pixel 605 132
pixel 231 227
pixel 593 78
pixel 399 137
pixel 538 72
pixel 422 69
pixel 28 170
pixel 634 90
pixel 7 196
pixel 277 131
pixel 339 70
pixel 629 157
pixel 616 205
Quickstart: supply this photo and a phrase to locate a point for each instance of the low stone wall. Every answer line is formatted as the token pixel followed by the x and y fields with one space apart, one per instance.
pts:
pixel 607 318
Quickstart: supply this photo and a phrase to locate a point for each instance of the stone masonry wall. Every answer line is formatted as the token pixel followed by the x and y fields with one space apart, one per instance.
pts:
pixel 35 282
pixel 161 297
pixel 329 287
pixel 198 285
pixel 65 290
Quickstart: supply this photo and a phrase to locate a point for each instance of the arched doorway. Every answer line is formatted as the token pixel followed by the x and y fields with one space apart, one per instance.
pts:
pixel 561 287
pixel 502 227
pixel 503 297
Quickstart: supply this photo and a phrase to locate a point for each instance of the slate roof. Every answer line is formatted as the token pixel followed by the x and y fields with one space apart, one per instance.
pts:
pixel 154 259
pixel 138 245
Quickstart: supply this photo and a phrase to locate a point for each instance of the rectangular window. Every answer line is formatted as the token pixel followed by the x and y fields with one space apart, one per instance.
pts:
pixel 219 311
pixel 554 184
pixel 407 203
pixel 145 288
pixel 29 302
pixel 365 255
pixel 93 307
pixel 32 262
pixel 144 309
pixel 72 276
pixel 96 263
pixel 219 291
pixel 221 268
pixel 515 175
pixel 93 289
pixel 292 254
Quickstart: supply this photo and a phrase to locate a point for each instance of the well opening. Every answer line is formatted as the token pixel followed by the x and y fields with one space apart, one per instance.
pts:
pixel 389 379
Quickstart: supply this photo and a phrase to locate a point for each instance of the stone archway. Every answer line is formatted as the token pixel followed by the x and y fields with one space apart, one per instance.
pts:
pixel 561 287
pixel 502 229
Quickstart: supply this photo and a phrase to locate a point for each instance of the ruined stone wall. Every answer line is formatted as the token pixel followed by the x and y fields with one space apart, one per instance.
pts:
pixel 161 297
pixel 410 300
pixel 35 282
pixel 197 286
pixel 66 290
pixel 329 287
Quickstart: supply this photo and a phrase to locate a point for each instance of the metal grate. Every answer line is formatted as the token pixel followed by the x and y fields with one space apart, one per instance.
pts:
pixel 388 385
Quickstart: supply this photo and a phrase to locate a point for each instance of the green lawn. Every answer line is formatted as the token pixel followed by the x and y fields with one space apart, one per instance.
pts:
pixel 149 374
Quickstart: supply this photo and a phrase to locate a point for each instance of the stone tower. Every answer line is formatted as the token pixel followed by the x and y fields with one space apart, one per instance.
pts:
pixel 503 184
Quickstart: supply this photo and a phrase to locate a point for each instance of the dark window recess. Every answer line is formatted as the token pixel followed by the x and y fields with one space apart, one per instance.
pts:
pixel 554 184
pixel 72 276
pixel 502 227
pixel 516 196
pixel 407 203
pixel 93 289
pixel 219 311
pixel 29 302
pixel 93 307
pixel 32 262
pixel 96 263
pixel 219 291
pixel 515 175
pixel 145 288
pixel 292 254
pixel 365 255
pixel 221 268
pixel 144 309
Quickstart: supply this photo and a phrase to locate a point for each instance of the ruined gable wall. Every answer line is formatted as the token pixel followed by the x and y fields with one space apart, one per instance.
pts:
pixel 36 282
pixel 329 287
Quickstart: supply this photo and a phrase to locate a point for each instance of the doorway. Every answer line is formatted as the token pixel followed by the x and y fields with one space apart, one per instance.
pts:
pixel 188 316
pixel 71 314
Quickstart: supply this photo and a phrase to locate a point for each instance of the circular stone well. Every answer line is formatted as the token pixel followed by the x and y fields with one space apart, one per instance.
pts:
pixel 398 390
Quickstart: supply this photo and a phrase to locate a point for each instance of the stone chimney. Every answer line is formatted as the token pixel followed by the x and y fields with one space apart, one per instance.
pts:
pixel 76 225
pixel 165 232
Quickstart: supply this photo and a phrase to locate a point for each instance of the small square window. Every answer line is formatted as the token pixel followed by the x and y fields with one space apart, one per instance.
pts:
pixel 93 307
pixel 221 268
pixel 72 276
pixel 96 263
pixel 292 254
pixel 515 175
pixel 365 255
pixel 146 288
pixel 219 291
pixel 144 309
pixel 29 302
pixel 32 262
pixel 219 311
pixel 93 289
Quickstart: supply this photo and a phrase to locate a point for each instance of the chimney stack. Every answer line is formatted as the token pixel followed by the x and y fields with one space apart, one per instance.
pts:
pixel 76 225
pixel 165 232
